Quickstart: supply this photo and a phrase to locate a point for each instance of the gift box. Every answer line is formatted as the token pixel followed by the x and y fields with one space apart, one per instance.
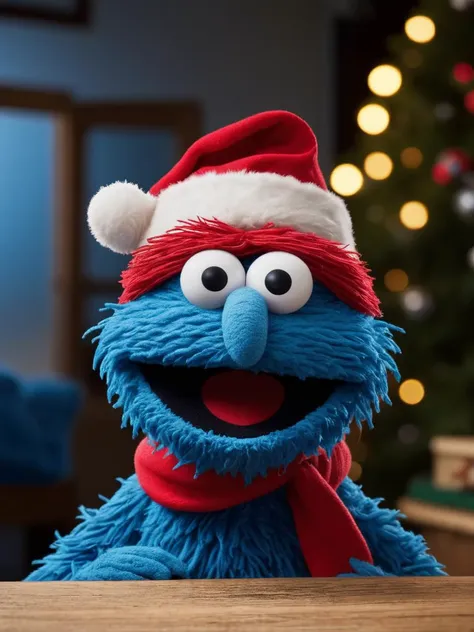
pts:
pixel 441 505
pixel 453 463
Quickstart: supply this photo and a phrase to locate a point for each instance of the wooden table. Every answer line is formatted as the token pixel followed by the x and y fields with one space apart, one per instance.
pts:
pixel 372 605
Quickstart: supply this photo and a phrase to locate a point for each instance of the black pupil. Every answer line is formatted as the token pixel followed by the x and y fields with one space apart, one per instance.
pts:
pixel 214 279
pixel 278 282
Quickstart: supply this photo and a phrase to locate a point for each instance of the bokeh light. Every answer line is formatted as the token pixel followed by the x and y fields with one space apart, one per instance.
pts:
pixel 373 119
pixel 378 165
pixel 463 72
pixel 355 471
pixel 414 215
pixel 385 80
pixel 417 302
pixel 444 111
pixel 469 101
pixel 464 203
pixel 396 280
pixel 408 434
pixel 411 157
pixel 420 29
pixel 346 179
pixel 411 392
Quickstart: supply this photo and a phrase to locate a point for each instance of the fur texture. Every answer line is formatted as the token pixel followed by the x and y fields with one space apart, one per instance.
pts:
pixel 256 539
pixel 250 200
pixel 338 269
pixel 119 215
pixel 395 550
pixel 325 339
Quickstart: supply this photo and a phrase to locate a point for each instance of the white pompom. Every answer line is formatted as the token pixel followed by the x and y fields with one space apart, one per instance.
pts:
pixel 119 216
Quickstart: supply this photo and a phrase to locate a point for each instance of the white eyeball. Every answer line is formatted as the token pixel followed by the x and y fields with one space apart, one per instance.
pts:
pixel 210 276
pixel 284 280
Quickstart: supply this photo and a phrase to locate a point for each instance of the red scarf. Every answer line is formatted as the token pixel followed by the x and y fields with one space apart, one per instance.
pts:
pixel 327 532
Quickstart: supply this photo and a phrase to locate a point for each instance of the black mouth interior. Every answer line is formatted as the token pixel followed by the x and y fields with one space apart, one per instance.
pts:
pixel 180 388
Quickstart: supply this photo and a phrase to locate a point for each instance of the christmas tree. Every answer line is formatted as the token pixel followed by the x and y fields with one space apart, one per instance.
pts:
pixel 410 180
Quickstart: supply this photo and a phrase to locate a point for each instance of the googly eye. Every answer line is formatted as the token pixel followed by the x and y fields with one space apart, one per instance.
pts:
pixel 284 280
pixel 210 276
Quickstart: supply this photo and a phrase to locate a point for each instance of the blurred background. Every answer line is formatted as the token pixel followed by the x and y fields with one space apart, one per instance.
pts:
pixel 93 91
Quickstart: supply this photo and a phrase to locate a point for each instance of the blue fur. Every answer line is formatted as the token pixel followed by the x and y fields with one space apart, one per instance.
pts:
pixel 237 542
pixel 245 326
pixel 130 563
pixel 395 550
pixel 256 539
pixel 325 339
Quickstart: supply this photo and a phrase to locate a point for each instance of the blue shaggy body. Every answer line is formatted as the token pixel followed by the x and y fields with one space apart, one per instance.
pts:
pixel 255 539
pixel 132 537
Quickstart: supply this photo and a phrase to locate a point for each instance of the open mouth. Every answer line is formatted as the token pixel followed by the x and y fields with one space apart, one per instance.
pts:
pixel 236 403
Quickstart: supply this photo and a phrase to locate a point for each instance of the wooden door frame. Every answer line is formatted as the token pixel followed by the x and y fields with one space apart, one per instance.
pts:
pixel 35 99
pixel 73 121
pixel 60 106
pixel 180 117
pixel 79 15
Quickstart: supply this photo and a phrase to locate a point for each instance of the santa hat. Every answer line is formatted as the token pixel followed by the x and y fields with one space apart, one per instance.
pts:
pixel 261 170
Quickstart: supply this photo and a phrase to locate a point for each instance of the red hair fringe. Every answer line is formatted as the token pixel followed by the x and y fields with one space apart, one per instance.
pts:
pixel 341 271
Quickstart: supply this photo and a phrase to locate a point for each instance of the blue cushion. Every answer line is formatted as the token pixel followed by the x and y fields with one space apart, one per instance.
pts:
pixel 36 422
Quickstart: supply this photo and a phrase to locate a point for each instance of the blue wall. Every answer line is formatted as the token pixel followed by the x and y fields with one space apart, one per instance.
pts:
pixel 26 240
pixel 136 155
pixel 235 58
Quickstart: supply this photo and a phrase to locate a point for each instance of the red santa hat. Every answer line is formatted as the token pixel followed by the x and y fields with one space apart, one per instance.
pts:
pixel 261 170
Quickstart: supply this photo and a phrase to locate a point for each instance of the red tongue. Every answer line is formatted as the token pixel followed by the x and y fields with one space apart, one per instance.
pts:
pixel 243 398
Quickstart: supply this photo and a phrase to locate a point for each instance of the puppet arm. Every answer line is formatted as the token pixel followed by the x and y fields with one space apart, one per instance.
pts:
pixel 395 550
pixel 129 563
pixel 102 545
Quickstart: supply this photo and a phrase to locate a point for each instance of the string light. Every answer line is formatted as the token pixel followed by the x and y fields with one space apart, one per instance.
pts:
pixel 346 179
pixel 396 280
pixel 378 165
pixel 411 157
pixel 417 302
pixel 414 215
pixel 460 5
pixel 464 203
pixel 411 392
pixel 420 29
pixel 385 80
pixel 469 101
pixel 444 111
pixel 463 72
pixel 373 119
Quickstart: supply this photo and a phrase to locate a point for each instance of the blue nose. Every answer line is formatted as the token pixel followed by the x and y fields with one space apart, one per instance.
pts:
pixel 245 326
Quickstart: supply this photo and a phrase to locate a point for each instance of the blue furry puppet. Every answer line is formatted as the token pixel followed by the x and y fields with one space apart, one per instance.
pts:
pixel 244 344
